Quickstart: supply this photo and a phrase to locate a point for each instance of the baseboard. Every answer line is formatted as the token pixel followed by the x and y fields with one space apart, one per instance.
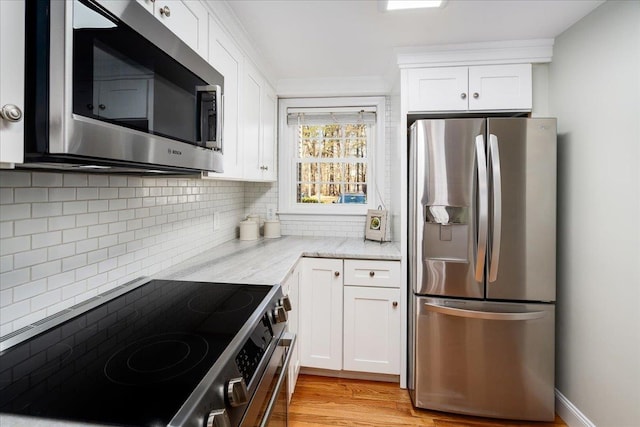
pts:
pixel 569 413
pixel 350 374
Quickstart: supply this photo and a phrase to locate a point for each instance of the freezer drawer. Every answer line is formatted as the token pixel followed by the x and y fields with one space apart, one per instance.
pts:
pixel 483 358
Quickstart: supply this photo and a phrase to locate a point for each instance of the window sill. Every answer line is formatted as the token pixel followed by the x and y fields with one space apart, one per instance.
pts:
pixel 314 216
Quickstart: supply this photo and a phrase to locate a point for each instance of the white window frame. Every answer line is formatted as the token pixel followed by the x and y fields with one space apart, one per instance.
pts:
pixel 287 145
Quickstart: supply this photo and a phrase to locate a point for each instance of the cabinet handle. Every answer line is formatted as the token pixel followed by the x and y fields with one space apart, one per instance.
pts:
pixel 476 95
pixel 336 273
pixel 11 113
pixel 372 273
pixel 264 168
pixel 165 11
pixel 102 106
pixel 463 95
pixel 395 303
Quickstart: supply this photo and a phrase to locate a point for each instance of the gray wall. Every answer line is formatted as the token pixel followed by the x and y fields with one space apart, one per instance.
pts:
pixel 594 90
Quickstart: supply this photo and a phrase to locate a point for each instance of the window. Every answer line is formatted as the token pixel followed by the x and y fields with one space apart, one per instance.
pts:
pixel 328 155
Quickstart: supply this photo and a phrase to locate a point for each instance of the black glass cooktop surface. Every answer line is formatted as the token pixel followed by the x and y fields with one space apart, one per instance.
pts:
pixel 131 361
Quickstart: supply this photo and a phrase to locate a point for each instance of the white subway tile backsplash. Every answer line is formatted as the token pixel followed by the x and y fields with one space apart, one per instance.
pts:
pixel 43 210
pixel 6 196
pixel 61 222
pixel 61 251
pixel 74 208
pixel 9 179
pixel 46 299
pixel 98 180
pixel 108 193
pixel 62 194
pixel 45 269
pixel 11 212
pixel 60 280
pixel 31 195
pixel 46 179
pixel 74 234
pixel 75 180
pixel 80 234
pixel 42 240
pixel 29 290
pixel 29 226
pixel 29 258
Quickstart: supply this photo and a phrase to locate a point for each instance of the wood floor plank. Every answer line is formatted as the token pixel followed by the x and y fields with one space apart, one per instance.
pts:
pixel 326 401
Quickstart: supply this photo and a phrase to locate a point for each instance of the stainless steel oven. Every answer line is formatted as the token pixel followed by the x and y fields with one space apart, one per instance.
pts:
pixel 270 403
pixel 110 88
pixel 150 353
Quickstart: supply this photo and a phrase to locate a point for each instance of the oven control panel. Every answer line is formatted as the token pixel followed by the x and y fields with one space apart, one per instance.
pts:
pixel 248 359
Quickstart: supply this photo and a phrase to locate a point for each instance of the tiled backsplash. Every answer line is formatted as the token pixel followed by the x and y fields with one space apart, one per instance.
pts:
pixel 67 237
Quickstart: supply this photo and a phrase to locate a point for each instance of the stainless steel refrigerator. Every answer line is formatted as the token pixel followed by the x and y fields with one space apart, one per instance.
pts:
pixel 482 256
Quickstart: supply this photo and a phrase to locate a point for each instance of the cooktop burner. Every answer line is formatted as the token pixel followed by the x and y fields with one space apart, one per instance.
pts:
pixel 131 361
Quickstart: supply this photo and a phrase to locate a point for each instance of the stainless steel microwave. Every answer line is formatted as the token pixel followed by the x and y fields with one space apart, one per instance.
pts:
pixel 114 89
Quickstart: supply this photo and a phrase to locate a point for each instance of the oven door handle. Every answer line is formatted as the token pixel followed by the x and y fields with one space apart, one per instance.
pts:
pixel 288 340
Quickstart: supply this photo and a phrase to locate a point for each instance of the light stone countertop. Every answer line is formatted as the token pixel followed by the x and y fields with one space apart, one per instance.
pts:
pixel 267 261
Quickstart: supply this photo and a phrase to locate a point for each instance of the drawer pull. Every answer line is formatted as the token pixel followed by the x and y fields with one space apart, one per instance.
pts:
pixel 372 273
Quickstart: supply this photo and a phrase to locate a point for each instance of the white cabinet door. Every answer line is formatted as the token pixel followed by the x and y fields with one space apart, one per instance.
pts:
pixel 321 313
pixel 259 124
pixel 437 89
pixel 11 82
pixel 268 144
pixel 477 88
pixel 500 87
pixel 188 19
pixel 290 287
pixel 372 330
pixel 251 123
pixel 227 58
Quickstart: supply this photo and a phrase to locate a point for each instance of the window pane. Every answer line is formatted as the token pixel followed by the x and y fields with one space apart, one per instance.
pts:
pixel 332 148
pixel 323 174
pixel 356 147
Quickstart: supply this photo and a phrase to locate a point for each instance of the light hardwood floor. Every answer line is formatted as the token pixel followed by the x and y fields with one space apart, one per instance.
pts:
pixel 325 401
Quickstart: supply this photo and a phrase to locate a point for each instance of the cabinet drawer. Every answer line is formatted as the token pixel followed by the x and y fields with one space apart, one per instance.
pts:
pixel 384 274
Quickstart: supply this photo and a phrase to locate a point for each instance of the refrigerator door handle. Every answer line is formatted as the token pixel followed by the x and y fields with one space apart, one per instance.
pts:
pixel 483 315
pixel 483 208
pixel 494 157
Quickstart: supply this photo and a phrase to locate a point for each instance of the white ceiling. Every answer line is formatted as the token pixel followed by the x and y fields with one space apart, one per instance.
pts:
pixel 309 39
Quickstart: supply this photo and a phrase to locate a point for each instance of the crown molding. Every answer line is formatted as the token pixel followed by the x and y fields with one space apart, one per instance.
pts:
pixel 484 53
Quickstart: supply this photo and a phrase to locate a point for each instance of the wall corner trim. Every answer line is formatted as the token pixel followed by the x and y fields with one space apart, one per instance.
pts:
pixel 569 413
pixel 481 53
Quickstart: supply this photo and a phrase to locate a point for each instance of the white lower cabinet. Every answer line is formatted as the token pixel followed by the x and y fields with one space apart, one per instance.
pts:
pixel 290 287
pixel 321 313
pixel 350 320
pixel 372 330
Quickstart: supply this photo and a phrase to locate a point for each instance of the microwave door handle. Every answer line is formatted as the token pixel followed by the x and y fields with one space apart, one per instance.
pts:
pixel 494 157
pixel 483 209
pixel 220 121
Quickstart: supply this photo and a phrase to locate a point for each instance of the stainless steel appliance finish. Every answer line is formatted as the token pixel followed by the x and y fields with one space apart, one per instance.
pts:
pixel 245 384
pixel 482 230
pixel 61 138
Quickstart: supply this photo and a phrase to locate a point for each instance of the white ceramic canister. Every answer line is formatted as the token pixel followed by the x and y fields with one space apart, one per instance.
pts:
pixel 271 229
pixel 249 230
pixel 255 218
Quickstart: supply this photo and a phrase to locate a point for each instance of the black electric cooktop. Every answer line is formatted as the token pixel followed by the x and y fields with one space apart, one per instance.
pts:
pixel 131 361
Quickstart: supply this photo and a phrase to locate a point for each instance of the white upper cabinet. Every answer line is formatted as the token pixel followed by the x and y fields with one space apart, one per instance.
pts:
pixel 11 82
pixel 227 58
pixel 259 125
pixel 188 19
pixel 476 88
